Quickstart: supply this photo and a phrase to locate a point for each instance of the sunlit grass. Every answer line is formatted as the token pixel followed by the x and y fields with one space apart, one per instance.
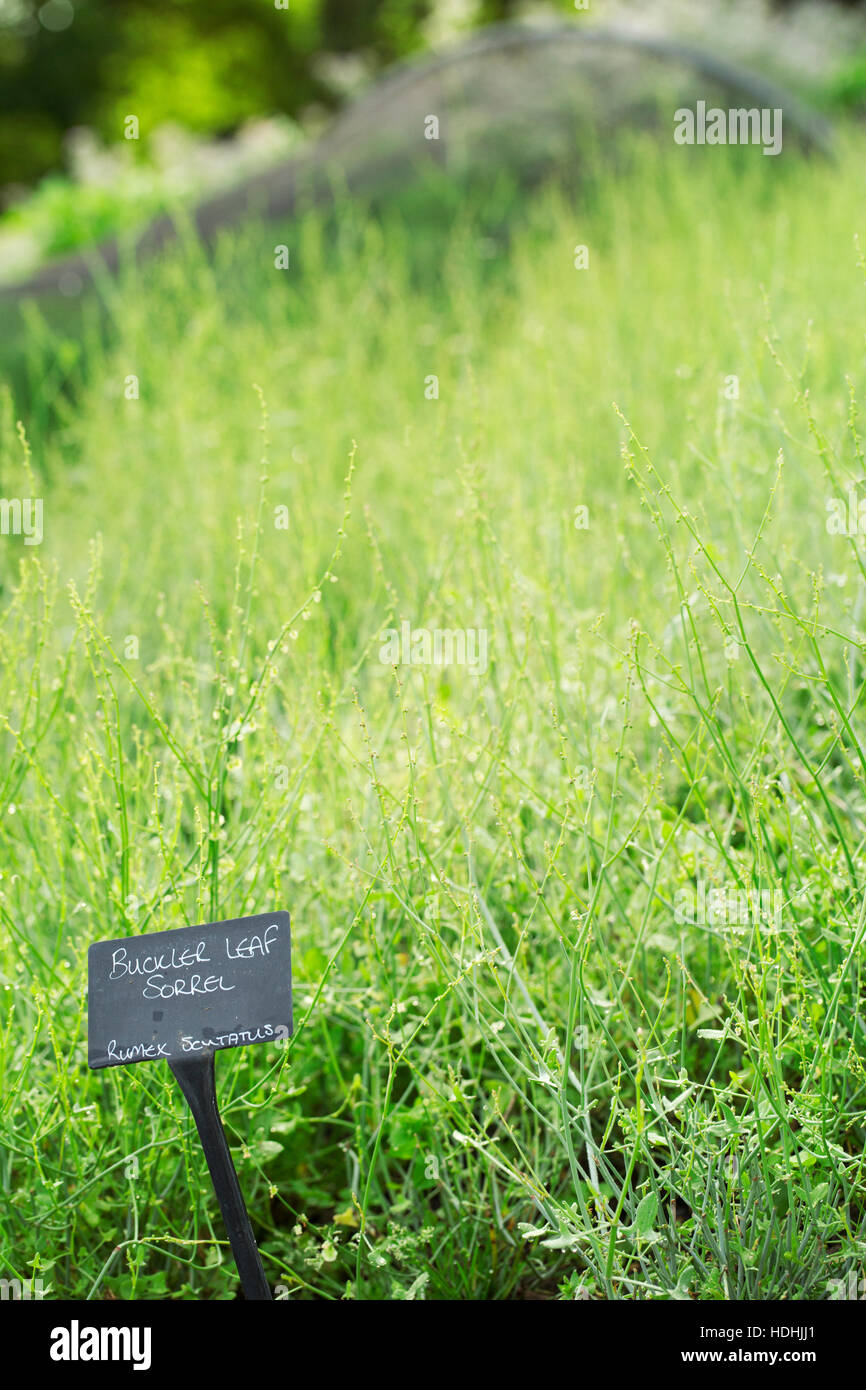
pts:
pixel 514 1069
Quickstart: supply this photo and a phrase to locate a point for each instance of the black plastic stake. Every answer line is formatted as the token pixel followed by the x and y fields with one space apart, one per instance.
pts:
pixel 197 1080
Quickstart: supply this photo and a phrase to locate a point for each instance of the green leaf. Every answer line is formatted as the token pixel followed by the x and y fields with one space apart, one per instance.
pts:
pixel 268 1148
pixel 646 1214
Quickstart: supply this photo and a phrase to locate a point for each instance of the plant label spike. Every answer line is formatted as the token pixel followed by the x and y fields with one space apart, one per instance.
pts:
pixel 183 995
pixel 195 1076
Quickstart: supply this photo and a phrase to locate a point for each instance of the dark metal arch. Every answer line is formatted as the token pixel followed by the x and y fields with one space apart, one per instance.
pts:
pixel 280 190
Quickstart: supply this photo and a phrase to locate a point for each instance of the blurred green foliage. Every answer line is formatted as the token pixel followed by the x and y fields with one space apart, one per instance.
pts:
pixel 207 64
pixel 848 86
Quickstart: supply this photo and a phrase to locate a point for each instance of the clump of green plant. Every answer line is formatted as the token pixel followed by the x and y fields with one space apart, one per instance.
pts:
pixel 521 1066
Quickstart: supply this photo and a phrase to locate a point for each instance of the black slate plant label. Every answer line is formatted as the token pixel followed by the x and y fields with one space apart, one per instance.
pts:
pixel 183 996
pixel 189 992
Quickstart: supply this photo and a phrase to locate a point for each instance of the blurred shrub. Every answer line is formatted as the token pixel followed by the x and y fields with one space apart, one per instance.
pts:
pixel 206 64
pixel 211 65
pixel 108 190
pixel 847 88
